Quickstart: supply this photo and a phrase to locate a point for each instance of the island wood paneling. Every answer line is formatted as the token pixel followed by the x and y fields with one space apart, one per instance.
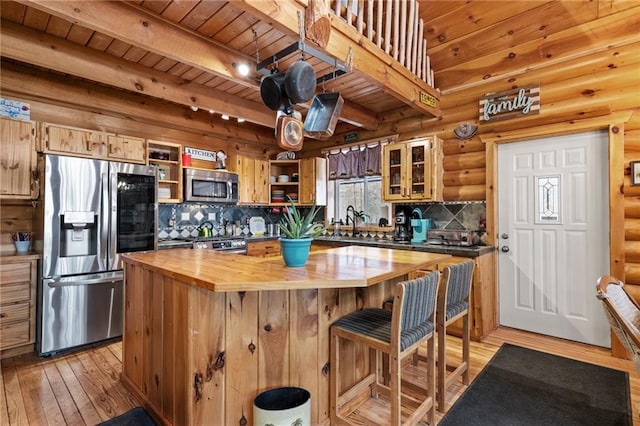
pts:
pixel 195 356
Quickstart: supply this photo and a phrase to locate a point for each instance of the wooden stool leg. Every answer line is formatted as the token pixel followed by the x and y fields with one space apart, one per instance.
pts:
pixel 396 398
pixel 442 364
pixel 465 348
pixel 431 378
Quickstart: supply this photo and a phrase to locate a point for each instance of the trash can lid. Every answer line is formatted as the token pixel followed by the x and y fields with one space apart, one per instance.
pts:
pixel 283 398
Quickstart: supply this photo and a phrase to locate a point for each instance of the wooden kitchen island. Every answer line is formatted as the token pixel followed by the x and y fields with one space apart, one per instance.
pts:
pixel 206 331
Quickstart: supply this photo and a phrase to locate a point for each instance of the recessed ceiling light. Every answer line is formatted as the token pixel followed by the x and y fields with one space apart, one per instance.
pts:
pixel 211 111
pixel 194 108
pixel 240 120
pixel 225 117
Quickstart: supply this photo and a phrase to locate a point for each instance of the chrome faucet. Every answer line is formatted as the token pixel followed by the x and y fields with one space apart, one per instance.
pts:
pixel 353 220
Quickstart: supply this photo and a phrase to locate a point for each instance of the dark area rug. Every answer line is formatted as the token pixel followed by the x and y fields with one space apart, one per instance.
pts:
pixel 521 386
pixel 135 417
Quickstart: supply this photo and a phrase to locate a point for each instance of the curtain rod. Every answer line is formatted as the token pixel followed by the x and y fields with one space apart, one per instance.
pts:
pixel 387 139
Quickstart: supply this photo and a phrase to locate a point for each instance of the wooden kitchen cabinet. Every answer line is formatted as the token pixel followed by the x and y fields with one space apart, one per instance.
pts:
pixel 73 141
pixel 17 305
pixel 291 188
pixel 264 248
pixel 18 159
pixel 254 180
pixel 313 181
pixel 127 148
pixel 483 314
pixel 412 170
pixel 166 156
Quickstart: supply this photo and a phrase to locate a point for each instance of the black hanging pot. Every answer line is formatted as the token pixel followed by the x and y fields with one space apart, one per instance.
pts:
pixel 273 93
pixel 300 82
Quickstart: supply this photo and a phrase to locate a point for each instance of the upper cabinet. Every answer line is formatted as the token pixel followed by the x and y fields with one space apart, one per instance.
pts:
pixel 313 181
pixel 18 159
pixel 412 170
pixel 90 143
pixel 166 157
pixel 127 148
pixel 253 174
pixel 74 141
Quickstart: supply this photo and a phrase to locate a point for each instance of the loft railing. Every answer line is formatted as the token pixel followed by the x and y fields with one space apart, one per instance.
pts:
pixel 394 26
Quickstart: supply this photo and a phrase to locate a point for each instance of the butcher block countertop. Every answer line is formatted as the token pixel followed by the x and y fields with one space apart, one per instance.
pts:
pixel 342 267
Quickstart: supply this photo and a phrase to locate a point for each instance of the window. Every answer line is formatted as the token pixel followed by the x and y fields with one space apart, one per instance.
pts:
pixel 364 194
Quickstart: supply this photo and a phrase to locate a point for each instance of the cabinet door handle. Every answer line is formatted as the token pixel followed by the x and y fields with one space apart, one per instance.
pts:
pixel 89 145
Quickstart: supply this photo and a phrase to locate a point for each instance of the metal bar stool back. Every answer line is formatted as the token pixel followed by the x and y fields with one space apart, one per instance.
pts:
pixel 397 333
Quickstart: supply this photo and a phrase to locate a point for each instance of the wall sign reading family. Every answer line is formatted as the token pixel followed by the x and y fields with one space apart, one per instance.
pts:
pixel 510 104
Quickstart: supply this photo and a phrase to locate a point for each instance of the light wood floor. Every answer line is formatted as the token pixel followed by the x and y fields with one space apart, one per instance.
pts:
pixel 83 387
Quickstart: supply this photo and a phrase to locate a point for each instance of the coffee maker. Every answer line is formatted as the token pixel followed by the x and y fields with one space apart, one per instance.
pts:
pixel 402 232
pixel 419 226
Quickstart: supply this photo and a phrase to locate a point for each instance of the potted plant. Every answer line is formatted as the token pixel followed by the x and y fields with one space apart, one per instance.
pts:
pixel 297 231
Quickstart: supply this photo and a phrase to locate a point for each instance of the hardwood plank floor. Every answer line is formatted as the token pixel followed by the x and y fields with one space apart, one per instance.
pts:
pixel 83 388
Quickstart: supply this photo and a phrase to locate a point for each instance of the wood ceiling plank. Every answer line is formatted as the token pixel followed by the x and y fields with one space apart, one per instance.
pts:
pixel 47 51
pixel 79 34
pixel 58 27
pixel 118 48
pixel 201 14
pixel 99 42
pixel 13 12
pixel 142 29
pixel 156 6
pixel 220 20
pixel 176 11
pixel 36 19
pixel 150 59
pixel 243 24
pixel 134 54
pixel 165 64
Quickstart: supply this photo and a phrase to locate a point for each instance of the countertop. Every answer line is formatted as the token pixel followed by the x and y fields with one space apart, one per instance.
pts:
pixel 341 267
pixel 12 256
pixel 472 251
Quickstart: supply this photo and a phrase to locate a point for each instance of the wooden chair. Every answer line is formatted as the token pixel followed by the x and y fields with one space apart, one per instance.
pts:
pixel 623 314
pixel 397 333
pixel 453 304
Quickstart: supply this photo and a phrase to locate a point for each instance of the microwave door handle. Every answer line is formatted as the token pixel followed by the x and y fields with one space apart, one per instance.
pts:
pixel 229 190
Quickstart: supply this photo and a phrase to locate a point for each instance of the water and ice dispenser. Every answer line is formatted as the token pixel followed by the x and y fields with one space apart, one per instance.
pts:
pixel 79 234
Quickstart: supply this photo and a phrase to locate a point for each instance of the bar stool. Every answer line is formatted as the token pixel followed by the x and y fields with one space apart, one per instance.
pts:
pixel 453 303
pixel 397 333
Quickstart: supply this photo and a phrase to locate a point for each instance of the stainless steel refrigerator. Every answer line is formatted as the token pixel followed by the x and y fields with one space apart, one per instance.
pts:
pixel 94 210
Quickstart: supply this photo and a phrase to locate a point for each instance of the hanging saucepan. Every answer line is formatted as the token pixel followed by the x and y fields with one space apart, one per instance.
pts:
pixel 300 82
pixel 273 93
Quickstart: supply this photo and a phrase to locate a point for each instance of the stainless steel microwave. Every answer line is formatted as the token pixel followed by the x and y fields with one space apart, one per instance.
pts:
pixel 212 186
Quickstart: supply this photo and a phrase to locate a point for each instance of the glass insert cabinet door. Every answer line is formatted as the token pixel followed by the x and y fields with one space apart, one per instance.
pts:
pixel 407 170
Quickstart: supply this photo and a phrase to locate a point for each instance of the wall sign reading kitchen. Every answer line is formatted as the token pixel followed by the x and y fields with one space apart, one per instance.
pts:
pixel 510 104
pixel 200 154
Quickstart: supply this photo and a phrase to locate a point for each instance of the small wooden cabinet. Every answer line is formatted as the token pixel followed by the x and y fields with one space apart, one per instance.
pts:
pixel 412 170
pixel 254 180
pixel 73 141
pixel 17 305
pixel 482 300
pixel 166 157
pixel 264 248
pixel 18 159
pixel 127 148
pixel 313 181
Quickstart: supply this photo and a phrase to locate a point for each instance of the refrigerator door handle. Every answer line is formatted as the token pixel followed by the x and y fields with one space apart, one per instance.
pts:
pixel 104 222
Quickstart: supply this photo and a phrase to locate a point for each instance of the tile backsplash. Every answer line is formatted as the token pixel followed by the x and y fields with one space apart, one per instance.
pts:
pixel 184 220
pixel 454 215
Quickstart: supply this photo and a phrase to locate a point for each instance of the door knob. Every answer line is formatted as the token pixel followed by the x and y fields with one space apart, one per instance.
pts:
pixel 504 249
pixel 504 236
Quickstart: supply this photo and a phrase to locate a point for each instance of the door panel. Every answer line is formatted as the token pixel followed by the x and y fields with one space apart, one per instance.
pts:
pixel 553 235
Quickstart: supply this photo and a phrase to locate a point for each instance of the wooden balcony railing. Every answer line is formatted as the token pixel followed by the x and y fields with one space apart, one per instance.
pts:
pixel 394 26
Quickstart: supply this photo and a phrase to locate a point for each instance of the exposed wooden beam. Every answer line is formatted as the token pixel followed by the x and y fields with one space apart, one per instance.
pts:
pixel 30 83
pixel 51 52
pixel 367 59
pixel 134 26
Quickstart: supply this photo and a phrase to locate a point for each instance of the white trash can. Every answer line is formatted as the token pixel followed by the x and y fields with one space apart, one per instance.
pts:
pixel 287 406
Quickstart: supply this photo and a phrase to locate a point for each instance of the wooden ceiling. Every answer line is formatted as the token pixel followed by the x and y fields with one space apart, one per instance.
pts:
pixel 186 51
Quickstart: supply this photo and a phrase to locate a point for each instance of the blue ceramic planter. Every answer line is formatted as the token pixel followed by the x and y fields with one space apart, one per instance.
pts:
pixel 295 252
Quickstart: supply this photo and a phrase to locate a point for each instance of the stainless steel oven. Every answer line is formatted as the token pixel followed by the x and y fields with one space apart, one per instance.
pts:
pixel 213 186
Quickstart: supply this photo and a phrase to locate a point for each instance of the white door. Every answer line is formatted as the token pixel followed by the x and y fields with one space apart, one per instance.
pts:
pixel 553 235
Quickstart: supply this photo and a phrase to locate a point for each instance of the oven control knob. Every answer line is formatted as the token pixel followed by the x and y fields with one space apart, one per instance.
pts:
pixel 504 249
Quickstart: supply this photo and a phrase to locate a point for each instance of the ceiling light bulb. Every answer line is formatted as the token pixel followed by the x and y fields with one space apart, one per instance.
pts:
pixel 225 117
pixel 194 108
pixel 211 111
pixel 240 120
pixel 243 69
